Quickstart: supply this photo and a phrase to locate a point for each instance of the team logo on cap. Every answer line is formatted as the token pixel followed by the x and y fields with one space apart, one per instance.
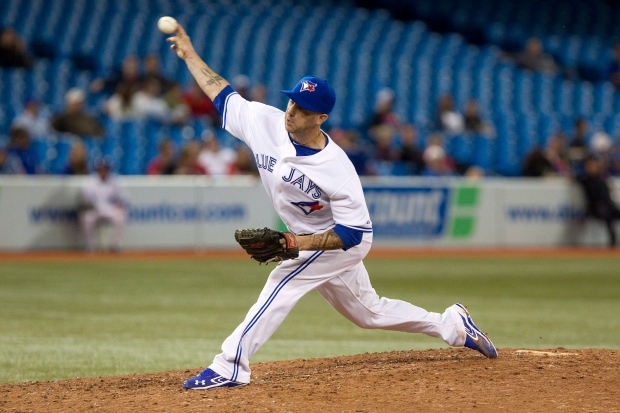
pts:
pixel 308 207
pixel 307 85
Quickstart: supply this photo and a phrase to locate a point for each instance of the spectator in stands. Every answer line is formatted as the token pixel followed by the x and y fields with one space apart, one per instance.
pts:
pixel 244 162
pixel 578 146
pixel 200 106
pixel 385 152
pixel 102 200
pixel 20 153
pixel 149 105
pixel 614 160
pixel 77 164
pixel 129 74
pixel 120 106
pixel 215 159
pixel 152 72
pixel 348 141
pixel 13 52
pixel 536 164
pixel 557 155
pixel 9 164
pixel 449 120
pixel 473 121
pixel 548 162
pixel 601 145
pixel 164 163
pixel 242 85
pixel 474 173
pixel 74 119
pixel 580 133
pixel 188 160
pixel 5 166
pixel 259 93
pixel 614 66
pixel 436 160
pixel 33 120
pixel 179 111
pixel 383 113
pixel 533 57
pixel 409 152
pixel 383 137
pixel 599 203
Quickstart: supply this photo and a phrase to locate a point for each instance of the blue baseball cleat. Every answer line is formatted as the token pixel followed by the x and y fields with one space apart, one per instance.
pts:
pixel 209 379
pixel 475 339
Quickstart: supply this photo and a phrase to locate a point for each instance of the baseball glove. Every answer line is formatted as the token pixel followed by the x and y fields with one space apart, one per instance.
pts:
pixel 266 245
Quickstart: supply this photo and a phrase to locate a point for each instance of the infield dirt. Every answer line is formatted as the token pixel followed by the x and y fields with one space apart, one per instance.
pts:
pixel 447 380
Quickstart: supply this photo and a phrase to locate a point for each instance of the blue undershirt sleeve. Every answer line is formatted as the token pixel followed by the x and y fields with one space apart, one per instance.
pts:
pixel 220 99
pixel 350 237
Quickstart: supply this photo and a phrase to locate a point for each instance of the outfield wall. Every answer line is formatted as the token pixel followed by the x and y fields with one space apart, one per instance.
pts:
pixel 202 213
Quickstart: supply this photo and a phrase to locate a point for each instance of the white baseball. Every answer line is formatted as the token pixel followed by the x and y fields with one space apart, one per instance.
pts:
pixel 167 24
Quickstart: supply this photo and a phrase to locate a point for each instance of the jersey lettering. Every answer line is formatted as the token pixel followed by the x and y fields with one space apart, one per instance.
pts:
pixel 265 161
pixel 300 182
pixel 311 186
pixel 272 163
pixel 290 176
pixel 317 191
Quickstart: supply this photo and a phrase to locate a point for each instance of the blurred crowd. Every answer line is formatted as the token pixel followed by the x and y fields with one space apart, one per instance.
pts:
pixel 385 145
pixel 136 91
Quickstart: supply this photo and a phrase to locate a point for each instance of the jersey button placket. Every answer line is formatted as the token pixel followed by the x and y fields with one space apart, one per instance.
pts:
pixel 279 189
pixel 279 183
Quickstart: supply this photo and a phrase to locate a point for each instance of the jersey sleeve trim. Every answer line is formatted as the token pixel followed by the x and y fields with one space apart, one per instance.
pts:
pixel 221 100
pixel 350 236
pixel 363 229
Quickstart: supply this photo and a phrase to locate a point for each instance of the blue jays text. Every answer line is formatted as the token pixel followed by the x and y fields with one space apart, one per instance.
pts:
pixel 294 178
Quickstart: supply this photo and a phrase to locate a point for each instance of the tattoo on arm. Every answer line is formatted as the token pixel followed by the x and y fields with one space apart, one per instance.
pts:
pixel 212 78
pixel 327 241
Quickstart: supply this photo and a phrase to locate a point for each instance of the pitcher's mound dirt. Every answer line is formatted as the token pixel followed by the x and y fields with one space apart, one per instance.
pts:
pixel 450 380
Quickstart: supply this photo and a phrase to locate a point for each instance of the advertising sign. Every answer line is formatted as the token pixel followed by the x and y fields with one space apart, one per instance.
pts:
pixel 195 212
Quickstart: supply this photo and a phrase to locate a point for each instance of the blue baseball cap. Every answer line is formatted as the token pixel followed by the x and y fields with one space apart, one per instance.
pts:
pixel 313 93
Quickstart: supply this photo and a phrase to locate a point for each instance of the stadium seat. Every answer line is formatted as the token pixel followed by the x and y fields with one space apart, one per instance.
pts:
pixel 482 154
pixel 40 148
pixel 452 46
pixel 461 147
pixel 60 153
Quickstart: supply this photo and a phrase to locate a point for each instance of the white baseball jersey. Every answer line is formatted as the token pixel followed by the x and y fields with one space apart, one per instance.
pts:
pixel 102 195
pixel 310 193
pixel 313 194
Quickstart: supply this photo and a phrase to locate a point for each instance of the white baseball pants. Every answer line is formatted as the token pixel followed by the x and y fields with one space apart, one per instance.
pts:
pixel 342 279
pixel 112 214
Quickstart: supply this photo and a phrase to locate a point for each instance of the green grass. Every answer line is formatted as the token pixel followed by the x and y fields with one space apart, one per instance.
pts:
pixel 96 318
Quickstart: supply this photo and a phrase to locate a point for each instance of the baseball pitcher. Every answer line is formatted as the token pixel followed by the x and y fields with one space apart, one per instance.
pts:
pixel 317 193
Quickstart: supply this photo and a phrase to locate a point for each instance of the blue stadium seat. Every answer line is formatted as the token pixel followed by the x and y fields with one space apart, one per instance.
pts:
pixel 93 149
pixel 40 148
pixel 547 126
pixel 611 125
pixel 131 135
pixel 5 121
pixel 60 153
pixel 482 154
pixel 461 148
pixel 527 134
pixel 359 50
